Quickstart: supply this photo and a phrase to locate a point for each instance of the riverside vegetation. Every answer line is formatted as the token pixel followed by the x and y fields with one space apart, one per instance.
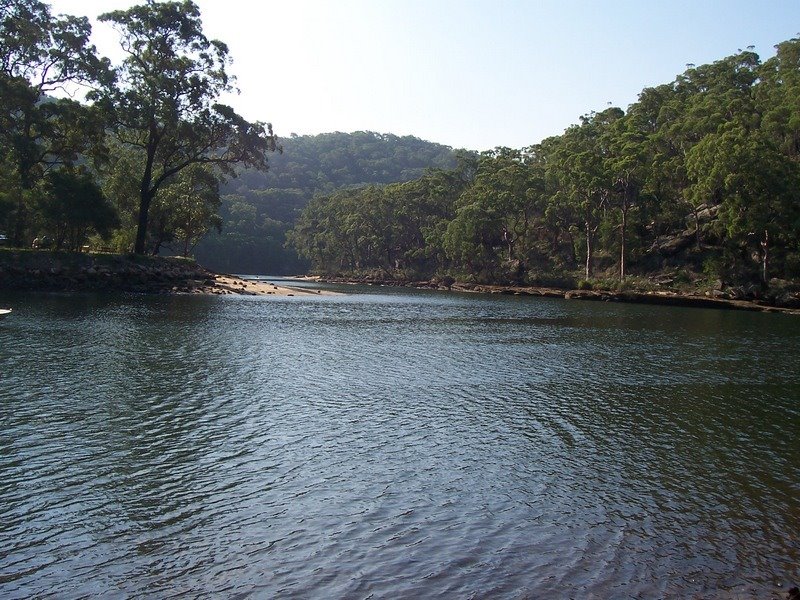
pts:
pixel 139 160
pixel 258 208
pixel 696 187
pixel 693 189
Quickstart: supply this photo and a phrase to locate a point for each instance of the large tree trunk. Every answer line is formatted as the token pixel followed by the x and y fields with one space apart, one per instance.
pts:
pixel 146 191
pixel 146 195
pixel 765 258
pixel 141 228
pixel 24 165
pixel 20 215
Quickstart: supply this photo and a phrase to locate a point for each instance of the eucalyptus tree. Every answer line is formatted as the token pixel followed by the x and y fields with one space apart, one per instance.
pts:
pixel 471 238
pixel 663 175
pixel 759 188
pixel 627 164
pixel 165 101
pixel 421 211
pixel 329 231
pixel 193 204
pixel 424 208
pixel 710 96
pixel 303 237
pixel 492 215
pixel 706 99
pixel 398 228
pixel 41 56
pixel 119 184
pixel 724 135
pixel 187 209
pixel 778 97
pixel 578 162
pixel 188 205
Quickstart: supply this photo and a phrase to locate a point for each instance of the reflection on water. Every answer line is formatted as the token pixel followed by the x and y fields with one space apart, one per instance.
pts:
pixel 399 444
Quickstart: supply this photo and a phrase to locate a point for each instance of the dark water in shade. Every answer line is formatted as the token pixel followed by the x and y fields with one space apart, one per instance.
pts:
pixel 396 445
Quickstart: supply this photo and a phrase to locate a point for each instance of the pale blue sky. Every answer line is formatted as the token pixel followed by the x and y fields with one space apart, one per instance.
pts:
pixel 466 73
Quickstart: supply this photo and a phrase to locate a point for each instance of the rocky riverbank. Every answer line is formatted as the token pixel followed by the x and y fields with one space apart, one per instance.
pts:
pixel 784 303
pixel 72 272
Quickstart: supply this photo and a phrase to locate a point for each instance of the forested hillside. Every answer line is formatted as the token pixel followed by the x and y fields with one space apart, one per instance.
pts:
pixel 698 182
pixel 141 157
pixel 259 207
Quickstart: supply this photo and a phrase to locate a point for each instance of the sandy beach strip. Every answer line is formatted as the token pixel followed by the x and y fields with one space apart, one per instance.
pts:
pixel 230 284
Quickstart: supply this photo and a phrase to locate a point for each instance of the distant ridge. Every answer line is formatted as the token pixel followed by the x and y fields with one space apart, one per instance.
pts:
pixel 258 208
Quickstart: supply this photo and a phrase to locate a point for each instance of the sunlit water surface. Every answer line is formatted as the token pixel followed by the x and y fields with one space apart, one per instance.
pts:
pixel 390 444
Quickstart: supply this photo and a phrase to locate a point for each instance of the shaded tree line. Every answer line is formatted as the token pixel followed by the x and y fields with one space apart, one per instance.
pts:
pixel 259 207
pixel 137 162
pixel 701 175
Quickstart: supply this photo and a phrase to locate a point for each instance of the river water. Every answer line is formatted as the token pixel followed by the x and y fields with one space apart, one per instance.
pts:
pixel 395 444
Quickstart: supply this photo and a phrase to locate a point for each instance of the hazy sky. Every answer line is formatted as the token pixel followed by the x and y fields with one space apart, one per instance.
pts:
pixel 467 73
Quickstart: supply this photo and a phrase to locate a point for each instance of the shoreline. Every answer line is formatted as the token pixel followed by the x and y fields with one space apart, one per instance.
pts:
pixel 659 298
pixel 231 284
pixel 49 271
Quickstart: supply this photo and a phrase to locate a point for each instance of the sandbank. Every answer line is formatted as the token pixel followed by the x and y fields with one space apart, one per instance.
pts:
pixel 230 284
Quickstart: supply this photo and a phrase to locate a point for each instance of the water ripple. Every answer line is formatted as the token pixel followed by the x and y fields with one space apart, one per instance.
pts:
pixel 403 446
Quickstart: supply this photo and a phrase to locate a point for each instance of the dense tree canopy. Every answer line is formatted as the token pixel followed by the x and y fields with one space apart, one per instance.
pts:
pixel 700 176
pixel 699 179
pixel 158 110
pixel 72 206
pixel 42 54
pixel 165 100
pixel 259 207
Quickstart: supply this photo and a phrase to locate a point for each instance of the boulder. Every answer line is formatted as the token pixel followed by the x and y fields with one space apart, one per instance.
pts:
pixel 675 244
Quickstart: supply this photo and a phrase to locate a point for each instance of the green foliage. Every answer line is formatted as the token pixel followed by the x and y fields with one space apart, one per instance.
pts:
pixel 39 54
pixel 72 208
pixel 165 102
pixel 712 158
pixel 185 210
pixel 257 244
pixel 160 103
pixel 393 228
pixel 700 177
pixel 715 267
